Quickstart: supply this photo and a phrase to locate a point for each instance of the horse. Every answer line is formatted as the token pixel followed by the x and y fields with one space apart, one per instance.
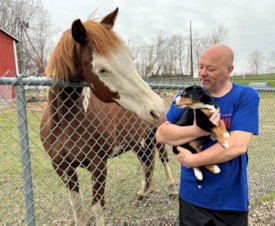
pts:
pixel 145 144
pixel 74 137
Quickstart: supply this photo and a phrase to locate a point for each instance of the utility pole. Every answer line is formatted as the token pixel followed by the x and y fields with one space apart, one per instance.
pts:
pixel 191 51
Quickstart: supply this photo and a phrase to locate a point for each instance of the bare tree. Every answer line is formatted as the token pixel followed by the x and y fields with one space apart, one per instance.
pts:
pixel 170 52
pixel 169 55
pixel 200 43
pixel 144 56
pixel 197 49
pixel 29 22
pixel 271 63
pixel 178 54
pixel 148 60
pixel 255 61
pixel 219 35
pixel 160 52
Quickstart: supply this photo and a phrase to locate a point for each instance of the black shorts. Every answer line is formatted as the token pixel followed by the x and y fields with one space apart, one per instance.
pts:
pixel 191 215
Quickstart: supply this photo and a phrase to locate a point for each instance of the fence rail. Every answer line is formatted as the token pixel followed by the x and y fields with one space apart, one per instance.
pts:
pixel 31 192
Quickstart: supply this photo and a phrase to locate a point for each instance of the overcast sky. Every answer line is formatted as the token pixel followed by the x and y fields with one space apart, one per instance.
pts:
pixel 251 24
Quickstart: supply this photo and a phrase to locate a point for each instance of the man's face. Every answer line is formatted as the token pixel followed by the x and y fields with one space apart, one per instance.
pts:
pixel 213 73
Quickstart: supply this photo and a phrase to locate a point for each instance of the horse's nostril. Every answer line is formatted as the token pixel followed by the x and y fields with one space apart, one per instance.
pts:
pixel 154 116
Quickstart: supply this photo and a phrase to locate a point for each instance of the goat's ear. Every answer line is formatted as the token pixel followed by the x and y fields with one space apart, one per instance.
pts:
pixel 79 32
pixel 110 19
pixel 197 93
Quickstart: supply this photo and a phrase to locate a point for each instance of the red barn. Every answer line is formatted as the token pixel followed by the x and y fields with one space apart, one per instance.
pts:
pixel 8 62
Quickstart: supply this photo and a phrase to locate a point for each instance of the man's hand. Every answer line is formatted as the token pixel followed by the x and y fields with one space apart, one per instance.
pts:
pixel 185 157
pixel 216 117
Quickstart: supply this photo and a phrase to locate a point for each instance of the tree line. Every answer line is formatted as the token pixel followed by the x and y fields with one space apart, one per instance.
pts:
pixel 28 21
pixel 164 55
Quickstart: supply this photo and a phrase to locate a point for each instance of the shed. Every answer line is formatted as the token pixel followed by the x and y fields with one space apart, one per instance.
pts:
pixel 8 62
pixel 257 85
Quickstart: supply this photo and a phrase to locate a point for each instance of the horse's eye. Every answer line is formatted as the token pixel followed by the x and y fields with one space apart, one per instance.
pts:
pixel 101 71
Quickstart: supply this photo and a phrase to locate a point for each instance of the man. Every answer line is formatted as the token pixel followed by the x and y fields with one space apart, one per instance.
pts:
pixel 223 197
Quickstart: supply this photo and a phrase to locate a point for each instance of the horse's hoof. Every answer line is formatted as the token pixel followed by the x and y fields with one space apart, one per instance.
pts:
pixel 173 195
pixel 142 197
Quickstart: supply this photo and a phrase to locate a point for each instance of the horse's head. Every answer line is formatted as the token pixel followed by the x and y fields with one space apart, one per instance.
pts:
pixel 94 53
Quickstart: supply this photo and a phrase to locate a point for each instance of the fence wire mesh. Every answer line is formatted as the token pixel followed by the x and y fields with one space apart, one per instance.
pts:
pixel 51 200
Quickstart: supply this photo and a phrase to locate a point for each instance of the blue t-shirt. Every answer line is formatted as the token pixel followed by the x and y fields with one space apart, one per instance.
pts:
pixel 227 190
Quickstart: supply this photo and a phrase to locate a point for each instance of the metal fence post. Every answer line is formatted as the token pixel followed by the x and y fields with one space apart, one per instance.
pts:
pixel 25 151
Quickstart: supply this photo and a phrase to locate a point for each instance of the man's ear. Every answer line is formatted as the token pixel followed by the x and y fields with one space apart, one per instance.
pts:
pixel 230 69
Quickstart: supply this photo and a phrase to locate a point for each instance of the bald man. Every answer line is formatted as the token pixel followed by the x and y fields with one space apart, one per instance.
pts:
pixel 222 198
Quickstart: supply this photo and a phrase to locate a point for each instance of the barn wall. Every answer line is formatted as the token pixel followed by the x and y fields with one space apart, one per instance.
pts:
pixel 7 63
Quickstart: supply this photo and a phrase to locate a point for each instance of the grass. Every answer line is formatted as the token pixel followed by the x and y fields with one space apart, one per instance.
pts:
pixel 266 198
pixel 247 79
pixel 51 198
pixel 244 80
pixel 123 181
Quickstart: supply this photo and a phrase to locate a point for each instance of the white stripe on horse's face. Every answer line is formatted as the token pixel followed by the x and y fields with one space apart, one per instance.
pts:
pixel 119 75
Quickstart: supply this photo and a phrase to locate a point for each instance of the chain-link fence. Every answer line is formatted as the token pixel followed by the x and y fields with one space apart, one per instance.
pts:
pixel 32 193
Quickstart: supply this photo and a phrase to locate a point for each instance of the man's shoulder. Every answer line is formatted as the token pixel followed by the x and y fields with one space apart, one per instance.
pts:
pixel 243 90
pixel 240 87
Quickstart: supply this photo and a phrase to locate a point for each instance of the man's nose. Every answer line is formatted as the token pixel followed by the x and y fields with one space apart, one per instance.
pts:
pixel 202 71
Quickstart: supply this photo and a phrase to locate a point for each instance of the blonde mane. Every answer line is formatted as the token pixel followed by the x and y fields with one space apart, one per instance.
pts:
pixel 101 40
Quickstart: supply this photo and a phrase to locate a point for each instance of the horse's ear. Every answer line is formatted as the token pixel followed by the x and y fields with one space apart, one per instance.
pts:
pixel 110 18
pixel 79 32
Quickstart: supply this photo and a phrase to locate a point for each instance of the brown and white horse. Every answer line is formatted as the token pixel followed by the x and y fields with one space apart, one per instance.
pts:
pixel 74 136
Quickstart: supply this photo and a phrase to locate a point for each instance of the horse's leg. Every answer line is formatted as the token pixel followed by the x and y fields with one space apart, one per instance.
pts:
pixel 99 175
pixel 69 177
pixel 165 162
pixel 78 209
pixel 152 143
pixel 147 162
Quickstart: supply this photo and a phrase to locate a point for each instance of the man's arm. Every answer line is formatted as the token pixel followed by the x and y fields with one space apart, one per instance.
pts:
pixel 175 135
pixel 238 143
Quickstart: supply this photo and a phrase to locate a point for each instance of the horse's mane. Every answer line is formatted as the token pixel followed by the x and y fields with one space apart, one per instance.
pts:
pixel 101 40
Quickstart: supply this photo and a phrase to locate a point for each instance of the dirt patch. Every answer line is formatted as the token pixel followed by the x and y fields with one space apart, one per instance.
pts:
pixel 261 214
pixel 33 105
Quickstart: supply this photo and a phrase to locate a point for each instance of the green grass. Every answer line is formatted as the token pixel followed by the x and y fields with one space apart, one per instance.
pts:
pixel 266 198
pixel 50 194
pixel 247 79
pixel 243 80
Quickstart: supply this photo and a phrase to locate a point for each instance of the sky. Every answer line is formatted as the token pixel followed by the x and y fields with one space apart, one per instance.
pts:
pixel 251 24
